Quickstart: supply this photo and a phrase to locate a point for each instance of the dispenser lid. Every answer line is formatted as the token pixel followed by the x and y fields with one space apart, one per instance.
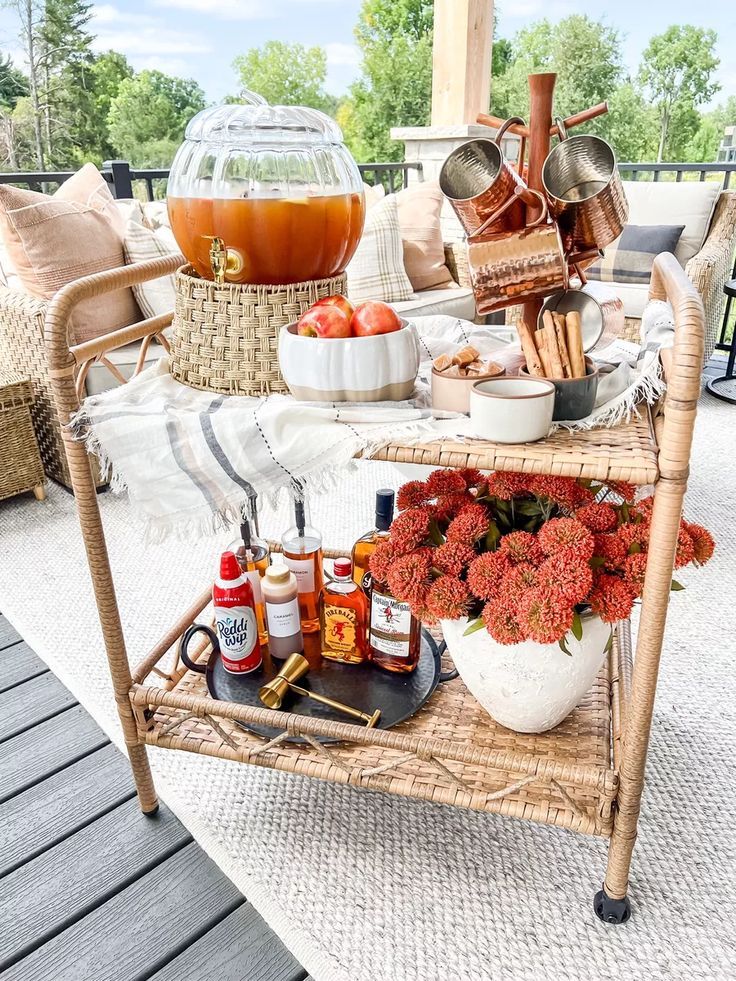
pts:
pixel 255 121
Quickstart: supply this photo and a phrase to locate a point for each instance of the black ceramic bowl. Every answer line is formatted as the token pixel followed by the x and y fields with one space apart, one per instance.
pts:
pixel 574 397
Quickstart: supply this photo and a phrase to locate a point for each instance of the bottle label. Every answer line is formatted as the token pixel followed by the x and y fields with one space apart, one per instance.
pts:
pixel 237 631
pixel 254 578
pixel 283 618
pixel 390 625
pixel 303 569
pixel 340 628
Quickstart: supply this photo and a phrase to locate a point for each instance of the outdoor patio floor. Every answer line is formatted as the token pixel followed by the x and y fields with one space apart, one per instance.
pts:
pixel 89 888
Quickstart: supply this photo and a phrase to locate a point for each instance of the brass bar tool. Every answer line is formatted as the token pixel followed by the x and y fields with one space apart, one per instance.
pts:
pixel 293 669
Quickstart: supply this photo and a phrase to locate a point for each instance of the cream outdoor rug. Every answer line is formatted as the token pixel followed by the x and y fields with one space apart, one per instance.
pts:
pixel 365 887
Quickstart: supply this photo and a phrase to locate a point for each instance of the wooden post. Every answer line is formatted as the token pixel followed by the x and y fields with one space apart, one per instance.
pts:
pixel 461 60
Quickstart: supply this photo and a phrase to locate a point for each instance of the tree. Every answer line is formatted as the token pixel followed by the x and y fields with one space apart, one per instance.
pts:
pixel 91 90
pixel 705 142
pixel 585 54
pixel 13 83
pixel 631 124
pixel 148 116
pixel 286 74
pixel 64 56
pixel 395 88
pixel 677 69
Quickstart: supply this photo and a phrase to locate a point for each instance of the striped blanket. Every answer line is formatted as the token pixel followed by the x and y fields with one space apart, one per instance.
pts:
pixel 191 460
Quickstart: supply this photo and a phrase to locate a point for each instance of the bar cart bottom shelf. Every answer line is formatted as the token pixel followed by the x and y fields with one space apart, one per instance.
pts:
pixel 450 752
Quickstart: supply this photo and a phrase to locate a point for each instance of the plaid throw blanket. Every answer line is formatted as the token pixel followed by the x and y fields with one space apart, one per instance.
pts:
pixel 190 460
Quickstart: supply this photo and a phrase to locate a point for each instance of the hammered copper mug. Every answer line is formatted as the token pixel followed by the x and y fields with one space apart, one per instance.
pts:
pixel 478 180
pixel 584 191
pixel 509 267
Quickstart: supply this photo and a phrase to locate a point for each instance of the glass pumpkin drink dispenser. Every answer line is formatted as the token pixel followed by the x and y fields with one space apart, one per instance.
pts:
pixel 275 185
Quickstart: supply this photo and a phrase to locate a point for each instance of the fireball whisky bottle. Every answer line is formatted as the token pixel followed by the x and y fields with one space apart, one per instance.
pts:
pixel 343 618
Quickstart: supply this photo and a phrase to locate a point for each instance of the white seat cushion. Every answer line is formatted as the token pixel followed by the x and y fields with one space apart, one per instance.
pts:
pixel 688 203
pixel 457 302
pixel 634 296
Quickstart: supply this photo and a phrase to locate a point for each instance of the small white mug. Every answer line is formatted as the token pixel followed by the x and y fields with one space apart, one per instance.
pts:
pixel 512 409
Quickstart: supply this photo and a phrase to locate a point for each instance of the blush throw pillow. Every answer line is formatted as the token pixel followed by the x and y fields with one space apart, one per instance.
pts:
pixel 376 271
pixel 419 208
pixel 52 240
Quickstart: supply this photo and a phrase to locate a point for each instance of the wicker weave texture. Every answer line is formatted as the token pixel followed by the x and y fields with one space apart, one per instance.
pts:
pixel 20 463
pixel 564 777
pixel 626 452
pixel 225 338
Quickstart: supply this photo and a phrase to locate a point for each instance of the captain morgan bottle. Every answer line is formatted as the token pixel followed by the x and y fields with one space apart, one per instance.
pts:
pixel 235 618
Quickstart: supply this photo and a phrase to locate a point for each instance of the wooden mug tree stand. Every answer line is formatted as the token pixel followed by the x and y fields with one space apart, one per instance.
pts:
pixel 585 775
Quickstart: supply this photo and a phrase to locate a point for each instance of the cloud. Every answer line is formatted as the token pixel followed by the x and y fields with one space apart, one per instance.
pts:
pixel 223 9
pixel 152 41
pixel 342 54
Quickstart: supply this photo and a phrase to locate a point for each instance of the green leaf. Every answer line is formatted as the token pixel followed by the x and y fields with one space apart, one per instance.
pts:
pixel 528 508
pixel 473 627
pixel 435 534
pixel 609 644
pixel 634 548
pixel 493 537
pixel 676 586
pixel 624 508
pixel 596 562
pixel 563 647
pixel 577 627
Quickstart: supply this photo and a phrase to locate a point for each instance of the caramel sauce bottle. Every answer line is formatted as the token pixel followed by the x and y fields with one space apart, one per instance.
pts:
pixel 366 546
pixel 395 636
pixel 302 547
pixel 343 617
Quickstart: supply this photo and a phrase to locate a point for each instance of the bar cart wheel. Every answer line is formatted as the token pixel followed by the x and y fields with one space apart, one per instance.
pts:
pixel 611 911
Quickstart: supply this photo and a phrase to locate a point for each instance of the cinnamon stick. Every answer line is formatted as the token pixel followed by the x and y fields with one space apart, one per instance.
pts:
pixel 541 339
pixel 550 342
pixel 575 344
pixel 560 330
pixel 533 362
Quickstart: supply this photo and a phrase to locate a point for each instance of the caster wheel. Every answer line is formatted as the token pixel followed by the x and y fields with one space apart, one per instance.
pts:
pixel 611 910
pixel 151 814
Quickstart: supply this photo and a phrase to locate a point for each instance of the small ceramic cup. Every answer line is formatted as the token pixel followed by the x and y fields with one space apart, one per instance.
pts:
pixel 513 409
pixel 451 393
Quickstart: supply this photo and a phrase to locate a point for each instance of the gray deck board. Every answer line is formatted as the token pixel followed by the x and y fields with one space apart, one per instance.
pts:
pixel 18 663
pixel 240 948
pixel 92 864
pixel 8 633
pixel 32 702
pixel 48 747
pixel 50 811
pixel 89 888
pixel 143 926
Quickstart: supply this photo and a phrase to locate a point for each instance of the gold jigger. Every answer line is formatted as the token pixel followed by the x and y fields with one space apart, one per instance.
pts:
pixel 293 669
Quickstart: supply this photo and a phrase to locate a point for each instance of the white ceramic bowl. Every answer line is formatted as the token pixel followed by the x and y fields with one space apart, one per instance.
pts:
pixel 350 369
pixel 512 409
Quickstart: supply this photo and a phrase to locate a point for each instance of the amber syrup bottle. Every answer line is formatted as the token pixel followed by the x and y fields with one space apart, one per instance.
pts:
pixel 366 546
pixel 343 612
pixel 302 547
pixel 253 558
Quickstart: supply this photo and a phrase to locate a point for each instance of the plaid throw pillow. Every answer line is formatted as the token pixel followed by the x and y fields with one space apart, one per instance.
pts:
pixel 629 259
pixel 156 297
pixel 376 271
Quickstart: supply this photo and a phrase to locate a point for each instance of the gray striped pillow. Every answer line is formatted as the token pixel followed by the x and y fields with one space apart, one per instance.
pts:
pixel 629 259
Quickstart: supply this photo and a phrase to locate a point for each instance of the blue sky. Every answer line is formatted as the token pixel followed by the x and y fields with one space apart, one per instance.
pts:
pixel 200 38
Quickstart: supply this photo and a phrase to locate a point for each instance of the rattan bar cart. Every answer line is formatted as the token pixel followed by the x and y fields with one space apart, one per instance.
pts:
pixel 586 775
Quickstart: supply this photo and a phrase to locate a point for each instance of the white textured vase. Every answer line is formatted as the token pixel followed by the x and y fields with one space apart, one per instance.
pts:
pixel 527 687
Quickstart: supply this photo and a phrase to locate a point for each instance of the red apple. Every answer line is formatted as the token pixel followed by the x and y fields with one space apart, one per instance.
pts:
pixel 324 321
pixel 339 301
pixel 374 317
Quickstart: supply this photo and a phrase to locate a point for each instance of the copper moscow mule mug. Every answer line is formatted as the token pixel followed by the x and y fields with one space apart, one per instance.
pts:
pixel 509 267
pixel 584 191
pixel 478 180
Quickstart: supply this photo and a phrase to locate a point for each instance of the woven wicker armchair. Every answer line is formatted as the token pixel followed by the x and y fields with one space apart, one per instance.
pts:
pixel 22 350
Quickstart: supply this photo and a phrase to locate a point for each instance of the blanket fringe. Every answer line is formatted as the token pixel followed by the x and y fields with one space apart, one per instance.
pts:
pixel 649 388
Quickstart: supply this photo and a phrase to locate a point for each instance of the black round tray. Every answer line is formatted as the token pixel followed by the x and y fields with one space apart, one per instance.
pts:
pixel 363 686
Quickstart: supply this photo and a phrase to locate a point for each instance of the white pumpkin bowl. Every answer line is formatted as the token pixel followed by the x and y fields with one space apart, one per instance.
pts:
pixel 380 368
